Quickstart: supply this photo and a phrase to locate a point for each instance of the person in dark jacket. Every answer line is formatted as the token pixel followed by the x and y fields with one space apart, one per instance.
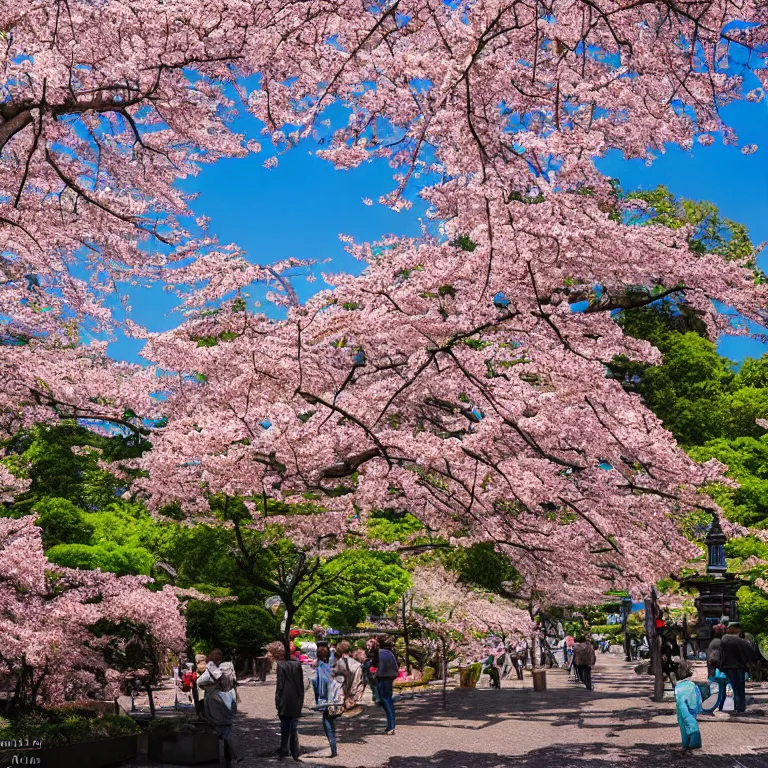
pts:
pixel 736 654
pixel 584 658
pixel 289 699
pixel 713 659
pixel 386 672
pixel 369 667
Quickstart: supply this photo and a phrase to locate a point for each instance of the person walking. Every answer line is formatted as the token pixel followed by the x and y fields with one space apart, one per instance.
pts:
pixel 713 672
pixel 369 667
pixel 289 699
pixel 736 654
pixel 516 657
pixel 387 670
pixel 220 702
pixel 584 659
pixel 351 671
pixel 329 695
pixel 687 705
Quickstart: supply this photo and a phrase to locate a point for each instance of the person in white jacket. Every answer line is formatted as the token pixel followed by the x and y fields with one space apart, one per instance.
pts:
pixel 220 703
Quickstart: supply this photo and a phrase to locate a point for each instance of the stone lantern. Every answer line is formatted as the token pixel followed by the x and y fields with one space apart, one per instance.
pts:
pixel 717 588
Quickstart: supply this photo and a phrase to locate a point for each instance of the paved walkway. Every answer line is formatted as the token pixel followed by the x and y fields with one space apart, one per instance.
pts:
pixel 564 727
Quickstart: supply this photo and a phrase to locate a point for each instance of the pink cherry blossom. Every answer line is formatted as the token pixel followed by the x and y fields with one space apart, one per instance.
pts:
pixel 46 613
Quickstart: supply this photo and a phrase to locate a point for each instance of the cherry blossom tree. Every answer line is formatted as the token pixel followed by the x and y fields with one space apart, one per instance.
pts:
pixel 106 108
pixel 463 618
pixel 52 649
pixel 454 378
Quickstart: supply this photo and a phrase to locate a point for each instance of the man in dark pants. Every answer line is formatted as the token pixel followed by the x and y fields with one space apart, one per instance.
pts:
pixel 584 659
pixel 736 654
pixel 386 672
pixel 289 699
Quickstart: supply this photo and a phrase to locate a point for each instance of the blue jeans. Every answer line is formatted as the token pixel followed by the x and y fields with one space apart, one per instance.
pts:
pixel 329 726
pixel 289 736
pixel 384 688
pixel 370 680
pixel 738 680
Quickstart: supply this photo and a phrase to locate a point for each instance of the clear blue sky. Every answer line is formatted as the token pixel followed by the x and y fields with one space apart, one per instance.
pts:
pixel 300 208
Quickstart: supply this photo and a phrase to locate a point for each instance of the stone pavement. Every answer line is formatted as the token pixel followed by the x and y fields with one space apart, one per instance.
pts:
pixel 563 727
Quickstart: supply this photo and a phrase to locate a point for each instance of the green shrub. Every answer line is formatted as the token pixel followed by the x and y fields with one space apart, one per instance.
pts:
pixel 753 610
pixel 67 725
pixel 108 556
pixel 612 631
pixel 62 522
pixel 167 725
pixel 239 630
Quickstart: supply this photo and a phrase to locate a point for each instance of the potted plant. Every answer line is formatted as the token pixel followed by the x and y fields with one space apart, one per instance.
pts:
pixel 70 735
pixel 180 741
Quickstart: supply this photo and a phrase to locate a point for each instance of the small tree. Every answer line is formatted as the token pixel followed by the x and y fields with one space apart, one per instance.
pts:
pixel 63 630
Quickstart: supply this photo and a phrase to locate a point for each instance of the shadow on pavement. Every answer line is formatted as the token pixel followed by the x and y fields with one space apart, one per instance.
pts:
pixel 585 756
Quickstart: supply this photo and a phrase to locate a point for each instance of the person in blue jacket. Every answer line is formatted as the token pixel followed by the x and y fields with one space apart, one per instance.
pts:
pixel 688 705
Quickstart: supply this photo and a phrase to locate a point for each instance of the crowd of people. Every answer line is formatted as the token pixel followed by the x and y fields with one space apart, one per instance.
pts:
pixel 339 675
pixel 504 659
pixel 730 657
pixel 338 679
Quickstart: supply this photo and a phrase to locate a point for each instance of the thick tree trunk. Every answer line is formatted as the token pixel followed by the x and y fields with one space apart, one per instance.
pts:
pixel 654 647
pixel 151 700
pixel 290 612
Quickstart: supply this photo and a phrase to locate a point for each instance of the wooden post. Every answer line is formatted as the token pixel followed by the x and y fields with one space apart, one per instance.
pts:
pixel 405 638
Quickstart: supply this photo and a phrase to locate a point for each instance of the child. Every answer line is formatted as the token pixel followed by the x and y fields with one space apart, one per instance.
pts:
pixel 688 705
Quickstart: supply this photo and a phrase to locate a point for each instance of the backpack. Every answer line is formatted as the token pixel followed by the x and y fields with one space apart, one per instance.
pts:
pixel 354 682
pixel 583 654
pixel 715 653
pixel 335 697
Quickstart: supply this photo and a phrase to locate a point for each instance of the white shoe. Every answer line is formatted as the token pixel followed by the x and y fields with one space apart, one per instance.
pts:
pixel 390 733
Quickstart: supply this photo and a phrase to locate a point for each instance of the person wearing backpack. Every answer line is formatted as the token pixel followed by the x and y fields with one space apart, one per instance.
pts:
pixel 584 658
pixel 736 654
pixel 386 672
pixel 714 673
pixel 351 670
pixel 329 694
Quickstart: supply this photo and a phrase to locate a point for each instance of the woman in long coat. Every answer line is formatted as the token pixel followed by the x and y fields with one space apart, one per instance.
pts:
pixel 289 699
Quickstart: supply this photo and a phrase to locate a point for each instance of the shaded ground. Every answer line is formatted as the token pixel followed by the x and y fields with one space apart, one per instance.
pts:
pixel 563 727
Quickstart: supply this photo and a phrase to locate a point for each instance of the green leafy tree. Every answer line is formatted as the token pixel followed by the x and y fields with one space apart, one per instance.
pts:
pixel 45 455
pixel 483 566
pixel 239 630
pixel 692 391
pixel 747 461
pixel 711 232
pixel 753 610
pixel 359 583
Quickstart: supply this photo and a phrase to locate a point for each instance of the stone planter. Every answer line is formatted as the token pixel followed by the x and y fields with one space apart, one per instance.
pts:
pixel 86 754
pixel 183 748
